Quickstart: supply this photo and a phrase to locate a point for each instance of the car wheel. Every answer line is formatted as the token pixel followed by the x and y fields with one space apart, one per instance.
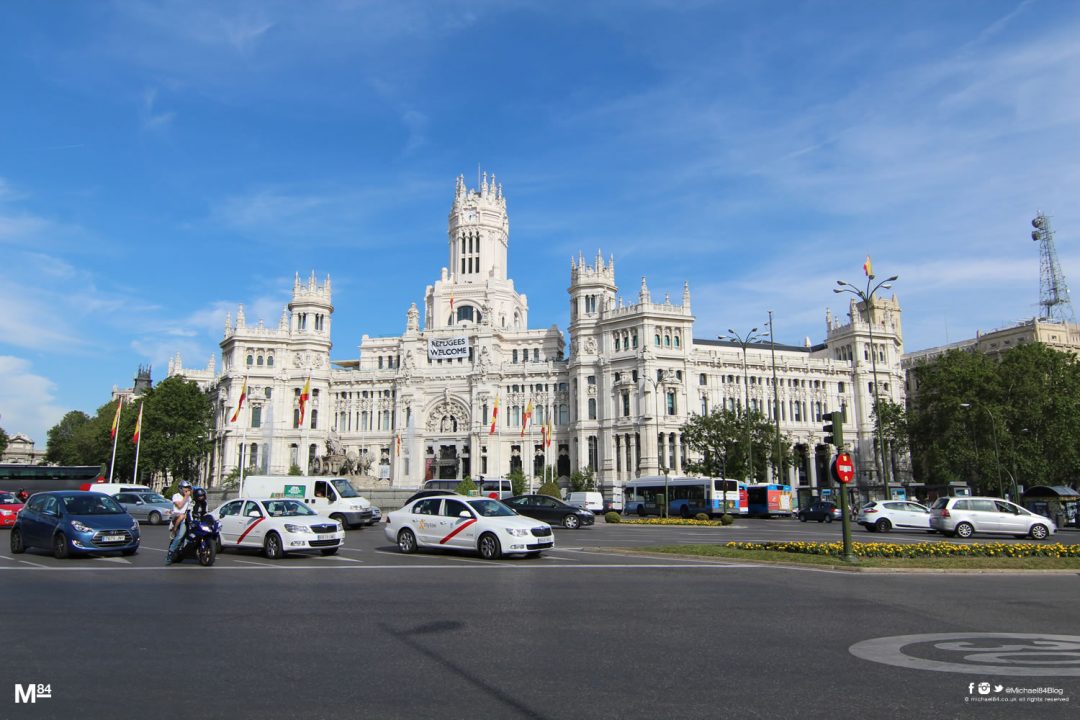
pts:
pixel 272 547
pixel 1039 532
pixel 802 518
pixel 341 519
pixel 329 551
pixel 17 542
pixel 489 547
pixel 129 552
pixel 965 530
pixel 154 518
pixel 406 541
pixel 571 522
pixel 883 525
pixel 60 546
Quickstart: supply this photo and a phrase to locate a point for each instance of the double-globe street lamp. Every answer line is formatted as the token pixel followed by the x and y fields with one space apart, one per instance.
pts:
pixel 743 341
pixel 867 298
pixel 655 383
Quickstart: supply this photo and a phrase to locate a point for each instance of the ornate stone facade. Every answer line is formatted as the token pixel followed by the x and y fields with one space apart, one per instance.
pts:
pixel 616 402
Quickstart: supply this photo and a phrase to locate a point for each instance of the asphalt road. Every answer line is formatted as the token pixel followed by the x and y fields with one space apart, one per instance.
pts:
pixel 580 632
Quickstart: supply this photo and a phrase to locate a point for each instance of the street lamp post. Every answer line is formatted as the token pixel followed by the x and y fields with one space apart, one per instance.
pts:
pixel 656 382
pixel 993 434
pixel 743 341
pixel 867 298
pixel 776 403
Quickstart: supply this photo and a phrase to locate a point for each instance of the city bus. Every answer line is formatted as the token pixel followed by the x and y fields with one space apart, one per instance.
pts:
pixel 689 496
pixel 492 487
pixel 768 500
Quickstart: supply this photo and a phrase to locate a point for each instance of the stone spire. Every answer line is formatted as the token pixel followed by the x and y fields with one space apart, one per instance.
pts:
pixel 228 324
pixel 412 323
pixel 283 323
pixel 241 321
pixel 644 296
pixel 686 296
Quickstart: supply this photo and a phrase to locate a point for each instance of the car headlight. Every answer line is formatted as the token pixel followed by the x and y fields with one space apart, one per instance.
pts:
pixel 517 532
pixel 289 527
pixel 79 527
pixel 134 524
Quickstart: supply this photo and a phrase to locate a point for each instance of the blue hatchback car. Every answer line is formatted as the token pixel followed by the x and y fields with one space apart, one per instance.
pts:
pixel 74 522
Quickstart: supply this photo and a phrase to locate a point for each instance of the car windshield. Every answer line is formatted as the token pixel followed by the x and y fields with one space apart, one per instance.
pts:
pixel 288 508
pixel 87 505
pixel 7 498
pixel 152 498
pixel 344 489
pixel 491 508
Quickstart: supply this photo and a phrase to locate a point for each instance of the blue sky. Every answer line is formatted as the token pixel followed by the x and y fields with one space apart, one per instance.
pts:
pixel 161 163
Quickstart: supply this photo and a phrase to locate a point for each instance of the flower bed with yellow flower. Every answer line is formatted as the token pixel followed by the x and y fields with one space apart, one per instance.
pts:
pixel 917 550
pixel 671 521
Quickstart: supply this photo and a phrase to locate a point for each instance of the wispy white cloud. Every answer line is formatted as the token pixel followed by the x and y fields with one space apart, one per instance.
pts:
pixel 152 118
pixel 27 400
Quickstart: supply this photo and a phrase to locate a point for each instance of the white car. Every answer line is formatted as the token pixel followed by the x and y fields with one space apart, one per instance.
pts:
pixel 884 515
pixel 277 526
pixel 480 524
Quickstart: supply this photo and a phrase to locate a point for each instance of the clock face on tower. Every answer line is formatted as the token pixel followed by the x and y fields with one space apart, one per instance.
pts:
pixel 470 215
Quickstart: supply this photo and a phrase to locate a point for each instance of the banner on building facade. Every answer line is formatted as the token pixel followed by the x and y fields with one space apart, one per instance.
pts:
pixel 448 348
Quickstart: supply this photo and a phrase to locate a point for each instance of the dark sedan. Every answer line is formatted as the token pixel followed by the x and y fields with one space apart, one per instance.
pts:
pixel 550 510
pixel 822 511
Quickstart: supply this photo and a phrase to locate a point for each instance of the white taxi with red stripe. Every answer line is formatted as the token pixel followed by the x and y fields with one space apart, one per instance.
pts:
pixel 277 526
pixel 479 524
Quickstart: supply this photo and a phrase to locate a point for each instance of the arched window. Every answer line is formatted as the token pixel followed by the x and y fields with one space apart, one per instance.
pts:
pixel 676 341
pixel 259 362
pixel 618 343
pixel 269 361
pixel 667 341
pixel 657 339
pixel 250 360
pixel 633 340
pixel 465 313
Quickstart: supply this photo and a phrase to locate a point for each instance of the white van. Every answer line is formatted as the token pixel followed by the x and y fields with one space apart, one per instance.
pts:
pixel 113 488
pixel 592 501
pixel 333 497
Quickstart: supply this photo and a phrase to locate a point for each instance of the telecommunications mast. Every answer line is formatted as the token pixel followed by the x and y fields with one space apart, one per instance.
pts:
pixel 1054 301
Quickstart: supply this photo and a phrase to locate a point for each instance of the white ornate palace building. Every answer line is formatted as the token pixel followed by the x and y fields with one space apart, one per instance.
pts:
pixel 420 405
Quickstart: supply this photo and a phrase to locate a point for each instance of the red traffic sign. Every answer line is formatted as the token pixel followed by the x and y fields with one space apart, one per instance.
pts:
pixel 844 468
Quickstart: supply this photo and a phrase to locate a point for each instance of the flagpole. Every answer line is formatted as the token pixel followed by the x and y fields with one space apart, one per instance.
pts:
pixel 138 445
pixel 115 435
pixel 243 442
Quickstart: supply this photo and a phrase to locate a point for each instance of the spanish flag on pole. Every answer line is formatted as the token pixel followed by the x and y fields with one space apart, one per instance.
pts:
pixel 868 267
pixel 138 426
pixel 116 418
pixel 239 405
pixel 398 441
pixel 304 394
pixel 525 420
pixel 494 415
pixel 548 434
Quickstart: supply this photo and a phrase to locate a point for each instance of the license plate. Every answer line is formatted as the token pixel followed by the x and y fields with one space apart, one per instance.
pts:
pixel 112 538
pixel 326 537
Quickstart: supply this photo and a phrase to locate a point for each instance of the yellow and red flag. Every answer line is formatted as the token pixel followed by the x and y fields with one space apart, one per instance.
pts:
pixel 399 444
pixel 451 300
pixel 548 434
pixel 494 415
pixel 239 405
pixel 138 426
pixel 304 394
pixel 116 418
pixel 525 420
pixel 868 267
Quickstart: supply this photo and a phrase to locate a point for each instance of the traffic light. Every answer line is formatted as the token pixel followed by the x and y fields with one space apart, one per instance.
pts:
pixel 834 429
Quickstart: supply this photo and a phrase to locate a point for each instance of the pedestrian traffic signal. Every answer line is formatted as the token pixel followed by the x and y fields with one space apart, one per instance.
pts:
pixel 834 429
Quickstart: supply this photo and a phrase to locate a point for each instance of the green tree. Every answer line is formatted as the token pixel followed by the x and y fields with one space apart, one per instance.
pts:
pixel 551 489
pixel 467 487
pixel 3 440
pixel 583 479
pixel 517 481
pixel 891 421
pixel 67 440
pixel 721 440
pixel 984 420
pixel 176 428
pixel 294 469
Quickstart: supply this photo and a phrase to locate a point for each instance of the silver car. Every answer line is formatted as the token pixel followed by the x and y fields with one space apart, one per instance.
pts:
pixel 146 506
pixel 965 516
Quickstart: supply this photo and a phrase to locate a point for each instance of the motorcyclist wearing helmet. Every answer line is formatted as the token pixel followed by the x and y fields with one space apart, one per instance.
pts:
pixel 198 504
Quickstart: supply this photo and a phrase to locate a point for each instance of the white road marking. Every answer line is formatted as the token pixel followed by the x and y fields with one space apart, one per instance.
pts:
pixel 114 559
pixel 260 564
pixel 27 562
pixel 494 565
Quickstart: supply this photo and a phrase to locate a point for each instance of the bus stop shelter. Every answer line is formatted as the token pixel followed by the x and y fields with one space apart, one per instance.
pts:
pixel 1057 502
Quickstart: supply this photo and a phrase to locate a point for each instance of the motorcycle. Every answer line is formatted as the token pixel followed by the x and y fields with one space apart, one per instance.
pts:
pixel 201 539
